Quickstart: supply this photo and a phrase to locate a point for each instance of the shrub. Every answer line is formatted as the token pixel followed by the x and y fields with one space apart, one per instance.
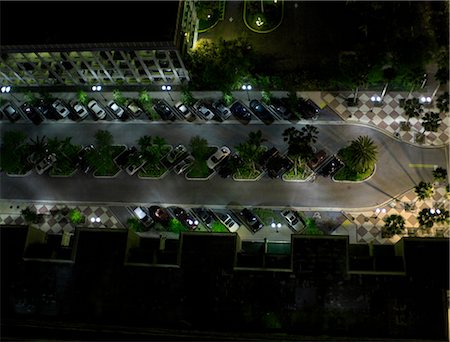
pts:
pixel 29 215
pixel 76 217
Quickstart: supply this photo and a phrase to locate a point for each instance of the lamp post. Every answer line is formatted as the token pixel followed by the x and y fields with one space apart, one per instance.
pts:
pixel 376 99
pixel 425 100
pixel 98 88
pixel 7 90
pixel 275 225
pixel 378 211
pixel 167 88
pixel 247 87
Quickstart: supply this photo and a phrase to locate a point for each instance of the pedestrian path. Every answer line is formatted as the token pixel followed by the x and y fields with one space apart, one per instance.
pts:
pixel 368 224
pixel 388 116
pixel 55 217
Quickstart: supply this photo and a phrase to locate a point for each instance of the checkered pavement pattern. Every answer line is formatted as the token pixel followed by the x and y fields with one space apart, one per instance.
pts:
pixel 388 116
pixel 368 225
pixel 56 220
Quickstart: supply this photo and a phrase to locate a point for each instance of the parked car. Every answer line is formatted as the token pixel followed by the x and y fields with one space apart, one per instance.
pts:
pixel 292 219
pixel 118 111
pixel 61 109
pixel 205 112
pixel 143 215
pixel 240 111
pixel 99 113
pixel 280 107
pixel 278 165
pixel 217 157
pixel 318 158
pixel 159 214
pixel 308 109
pixel 31 113
pixel 80 110
pixel 163 109
pixel 134 109
pixel 223 111
pixel 252 221
pixel 184 110
pixel 184 165
pixel 229 166
pixel 176 153
pixel 261 112
pixel 123 159
pixel 205 215
pixel 331 167
pixel 186 219
pixel 228 222
pixel 136 164
pixel 82 161
pixel 10 112
pixel 47 110
pixel 45 164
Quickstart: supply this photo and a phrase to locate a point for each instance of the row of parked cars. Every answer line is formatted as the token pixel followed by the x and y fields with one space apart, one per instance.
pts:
pixel 191 219
pixel 206 110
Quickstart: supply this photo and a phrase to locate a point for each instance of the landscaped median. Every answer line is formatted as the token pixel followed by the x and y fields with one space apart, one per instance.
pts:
pixel 263 16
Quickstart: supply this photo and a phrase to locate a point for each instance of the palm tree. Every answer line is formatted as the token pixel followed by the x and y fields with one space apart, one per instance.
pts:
pixel 299 144
pixel 362 154
pixel 442 102
pixel 256 138
pixel 424 190
pixel 413 108
pixel 310 133
pixel 394 224
pixel 431 122
pixel 38 149
pixel 440 174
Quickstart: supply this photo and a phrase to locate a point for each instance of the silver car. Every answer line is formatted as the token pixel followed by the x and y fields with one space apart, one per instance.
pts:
pixel 176 153
pixel 228 221
pixel 61 109
pixel 45 164
pixel 205 112
pixel 116 109
pixel 80 110
pixel 97 110
pixel 185 164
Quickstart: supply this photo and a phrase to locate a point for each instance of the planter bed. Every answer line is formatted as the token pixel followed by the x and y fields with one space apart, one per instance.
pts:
pixel 110 169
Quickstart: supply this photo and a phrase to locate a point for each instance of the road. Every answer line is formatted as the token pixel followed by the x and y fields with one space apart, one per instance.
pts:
pixel 393 176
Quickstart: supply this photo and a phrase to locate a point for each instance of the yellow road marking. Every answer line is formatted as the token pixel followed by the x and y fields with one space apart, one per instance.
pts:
pixel 422 165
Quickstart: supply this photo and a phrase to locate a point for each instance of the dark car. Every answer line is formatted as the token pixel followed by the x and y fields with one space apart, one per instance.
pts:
pixel 278 165
pixel 47 110
pixel 253 222
pixel 221 109
pixel 10 112
pixel 205 215
pixel 229 166
pixel 186 219
pixel 265 157
pixel 281 108
pixel 82 160
pixel 261 112
pixel 240 112
pixel 123 159
pixel 318 158
pixel 31 113
pixel 308 109
pixel 330 168
pixel 162 108
pixel 159 214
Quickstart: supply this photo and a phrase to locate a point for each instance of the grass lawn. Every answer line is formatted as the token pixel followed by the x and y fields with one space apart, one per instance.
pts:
pixel 152 170
pixel 199 169
pixel 104 162
pixel 175 226
pixel 15 161
pixel 65 163
pixel 303 172
pixel 246 172
pixel 350 175
pixel 218 227
pixel 267 216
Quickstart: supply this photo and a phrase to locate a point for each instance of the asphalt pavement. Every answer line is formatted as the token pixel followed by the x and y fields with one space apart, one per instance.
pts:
pixel 394 174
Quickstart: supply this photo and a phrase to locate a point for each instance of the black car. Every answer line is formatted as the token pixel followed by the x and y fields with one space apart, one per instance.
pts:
pixel 229 166
pixel 10 112
pixel 205 215
pixel 281 108
pixel 31 113
pixel 159 214
pixel 266 156
pixel 82 161
pixel 123 159
pixel 186 219
pixel 331 167
pixel 164 110
pixel 240 112
pixel 47 110
pixel 254 223
pixel 308 109
pixel 261 112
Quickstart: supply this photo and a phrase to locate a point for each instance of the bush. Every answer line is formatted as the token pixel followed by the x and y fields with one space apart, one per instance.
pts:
pixel 30 216
pixel 134 224
pixel 76 217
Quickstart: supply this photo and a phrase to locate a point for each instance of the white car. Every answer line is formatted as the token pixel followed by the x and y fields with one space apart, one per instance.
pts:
pixel 228 221
pixel 45 164
pixel 205 112
pixel 134 109
pixel 116 109
pixel 61 109
pixel 98 111
pixel 217 157
pixel 183 109
pixel 143 215
pixel 185 164
pixel 292 219
pixel 176 153
pixel 80 110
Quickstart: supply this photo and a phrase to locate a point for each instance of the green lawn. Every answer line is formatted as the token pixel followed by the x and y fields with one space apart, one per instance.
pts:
pixel 218 227
pixel 347 174
pixel 152 170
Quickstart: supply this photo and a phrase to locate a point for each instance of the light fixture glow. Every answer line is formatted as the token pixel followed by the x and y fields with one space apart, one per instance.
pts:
pixel 92 219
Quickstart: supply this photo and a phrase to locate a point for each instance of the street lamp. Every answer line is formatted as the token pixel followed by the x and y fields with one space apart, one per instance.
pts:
pixel 247 87
pixel 425 100
pixel 376 99
pixel 378 211
pixel 275 225
pixel 167 88
pixel 7 90
pixel 95 219
pixel 98 88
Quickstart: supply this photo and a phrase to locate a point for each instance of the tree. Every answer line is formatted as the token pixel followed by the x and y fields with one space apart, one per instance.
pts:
pixel 227 98
pixel 76 217
pixel 266 96
pixel 442 102
pixel 199 147
pixel 134 224
pixel 299 144
pixel 412 107
pixel 440 174
pixel 103 139
pixel 82 97
pixel 362 154
pixel 12 160
pixel 29 215
pixel 394 224
pixel 38 148
pixel 428 217
pixel 187 98
pixel 424 190
pixel 431 122
pixel 118 97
